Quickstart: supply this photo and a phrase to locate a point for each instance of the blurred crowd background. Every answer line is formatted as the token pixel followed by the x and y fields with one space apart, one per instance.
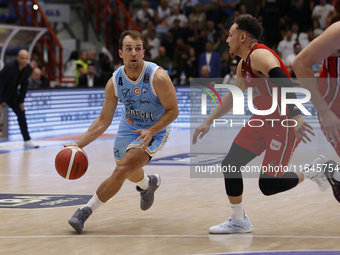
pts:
pixel 188 38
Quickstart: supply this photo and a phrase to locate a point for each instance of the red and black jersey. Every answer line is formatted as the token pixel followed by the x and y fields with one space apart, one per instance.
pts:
pixel 262 88
pixel 329 82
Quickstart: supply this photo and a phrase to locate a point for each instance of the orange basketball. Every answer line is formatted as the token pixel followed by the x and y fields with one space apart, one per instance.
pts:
pixel 71 163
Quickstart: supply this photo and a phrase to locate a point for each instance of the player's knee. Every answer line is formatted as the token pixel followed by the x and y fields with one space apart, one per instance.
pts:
pixel 121 171
pixel 268 186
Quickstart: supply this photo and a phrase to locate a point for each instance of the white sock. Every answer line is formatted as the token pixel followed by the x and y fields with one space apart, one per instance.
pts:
pixel 94 203
pixel 336 176
pixel 237 211
pixel 144 184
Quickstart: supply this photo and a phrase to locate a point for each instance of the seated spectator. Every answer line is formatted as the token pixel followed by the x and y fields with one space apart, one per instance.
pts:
pixel 212 34
pixel 34 80
pixel 201 41
pixel 324 13
pixel 104 63
pixel 152 44
pixel 253 7
pixel 70 69
pixel 90 79
pixel 231 77
pixel 215 14
pixel 229 6
pixel 305 38
pixel 162 60
pixel 176 15
pixel 81 65
pixel 180 58
pixel 205 70
pixel 162 15
pixel 286 46
pixel 187 5
pixel 316 28
pixel 225 63
pixel 173 2
pixel 192 33
pixel 297 48
pixel 170 45
pixel 221 46
pixel 45 82
pixel 93 59
pixel 149 26
pixel 177 31
pixel 145 13
pixel 198 15
pixel 212 59
pixel 191 67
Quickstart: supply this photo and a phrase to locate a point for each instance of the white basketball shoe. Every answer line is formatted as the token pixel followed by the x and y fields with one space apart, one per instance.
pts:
pixel 232 226
pixel 317 172
pixel 30 145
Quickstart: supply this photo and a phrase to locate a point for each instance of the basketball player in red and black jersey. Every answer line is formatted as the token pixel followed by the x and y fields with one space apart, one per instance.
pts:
pixel 278 142
pixel 326 96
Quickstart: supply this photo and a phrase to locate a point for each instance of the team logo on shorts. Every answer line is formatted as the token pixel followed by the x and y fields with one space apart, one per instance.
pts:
pixel 116 152
pixel 275 145
pixel 136 91
pixel 146 78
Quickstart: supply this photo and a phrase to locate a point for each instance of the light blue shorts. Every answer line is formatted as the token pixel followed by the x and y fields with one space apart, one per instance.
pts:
pixel 126 140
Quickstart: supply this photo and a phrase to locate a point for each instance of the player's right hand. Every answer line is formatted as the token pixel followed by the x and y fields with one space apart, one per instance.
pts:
pixel 0 106
pixel 331 125
pixel 201 131
pixel 73 144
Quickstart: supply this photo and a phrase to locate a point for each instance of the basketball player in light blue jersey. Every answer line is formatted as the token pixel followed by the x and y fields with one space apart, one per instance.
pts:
pixel 150 102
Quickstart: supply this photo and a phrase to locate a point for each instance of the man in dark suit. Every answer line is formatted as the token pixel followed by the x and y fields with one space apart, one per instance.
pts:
pixel 212 59
pixel 13 74
pixel 90 79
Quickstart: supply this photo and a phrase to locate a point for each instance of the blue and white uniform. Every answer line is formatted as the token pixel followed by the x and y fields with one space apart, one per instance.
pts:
pixel 142 109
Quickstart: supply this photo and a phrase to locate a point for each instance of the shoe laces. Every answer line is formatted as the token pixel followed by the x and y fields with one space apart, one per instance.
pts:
pixel 83 216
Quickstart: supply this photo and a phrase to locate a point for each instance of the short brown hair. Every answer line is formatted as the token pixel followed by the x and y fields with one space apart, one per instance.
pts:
pixel 133 34
pixel 250 25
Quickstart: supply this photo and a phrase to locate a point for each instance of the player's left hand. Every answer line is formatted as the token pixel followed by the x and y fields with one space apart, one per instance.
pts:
pixel 146 136
pixel 302 128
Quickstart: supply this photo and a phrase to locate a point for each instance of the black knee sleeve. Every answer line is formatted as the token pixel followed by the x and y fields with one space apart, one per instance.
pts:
pixel 270 185
pixel 236 158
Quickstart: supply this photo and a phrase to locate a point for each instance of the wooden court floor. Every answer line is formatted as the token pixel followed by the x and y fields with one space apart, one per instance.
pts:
pixel 301 219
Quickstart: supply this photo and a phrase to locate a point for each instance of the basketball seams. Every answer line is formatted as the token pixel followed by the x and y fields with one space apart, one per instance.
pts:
pixel 70 165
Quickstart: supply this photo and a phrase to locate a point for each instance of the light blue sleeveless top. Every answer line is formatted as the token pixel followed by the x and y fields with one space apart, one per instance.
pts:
pixel 141 104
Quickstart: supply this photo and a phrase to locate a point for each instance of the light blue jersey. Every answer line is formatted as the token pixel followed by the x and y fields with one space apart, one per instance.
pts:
pixel 142 110
pixel 142 106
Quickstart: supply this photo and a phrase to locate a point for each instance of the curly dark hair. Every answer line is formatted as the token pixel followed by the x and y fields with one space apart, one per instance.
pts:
pixel 250 25
pixel 133 34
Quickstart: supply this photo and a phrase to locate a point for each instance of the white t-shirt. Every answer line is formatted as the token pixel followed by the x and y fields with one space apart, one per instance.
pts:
pixel 285 48
pixel 323 11
pixel 291 58
pixel 303 40
pixel 141 15
pixel 155 43
pixel 183 20
pixel 208 58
